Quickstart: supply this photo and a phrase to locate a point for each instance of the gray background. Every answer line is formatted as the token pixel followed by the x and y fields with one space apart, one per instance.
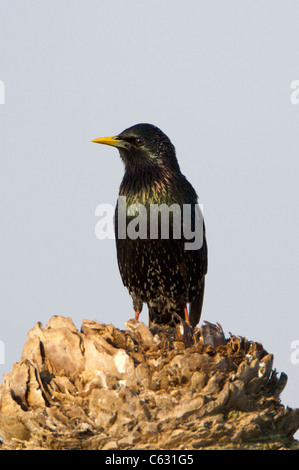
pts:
pixel 215 76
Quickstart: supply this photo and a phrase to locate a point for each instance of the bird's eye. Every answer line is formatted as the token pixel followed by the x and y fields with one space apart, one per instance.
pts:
pixel 139 141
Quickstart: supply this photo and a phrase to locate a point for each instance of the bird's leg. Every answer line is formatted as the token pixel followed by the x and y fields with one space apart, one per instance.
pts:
pixel 137 315
pixel 137 306
pixel 186 315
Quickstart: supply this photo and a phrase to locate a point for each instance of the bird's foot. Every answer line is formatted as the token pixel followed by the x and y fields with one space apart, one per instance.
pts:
pixel 186 333
pixel 185 330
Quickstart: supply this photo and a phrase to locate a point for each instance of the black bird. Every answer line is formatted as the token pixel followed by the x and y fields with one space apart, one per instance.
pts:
pixel 156 269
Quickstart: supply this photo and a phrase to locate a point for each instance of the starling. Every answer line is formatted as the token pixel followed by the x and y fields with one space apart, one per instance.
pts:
pixel 158 270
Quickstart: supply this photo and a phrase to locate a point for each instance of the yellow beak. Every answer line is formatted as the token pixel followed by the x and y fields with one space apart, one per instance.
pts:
pixel 114 141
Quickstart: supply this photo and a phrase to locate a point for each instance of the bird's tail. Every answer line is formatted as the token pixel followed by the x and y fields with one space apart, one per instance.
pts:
pixel 196 306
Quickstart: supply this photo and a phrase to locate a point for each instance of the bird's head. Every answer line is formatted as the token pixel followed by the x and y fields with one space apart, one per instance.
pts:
pixel 143 144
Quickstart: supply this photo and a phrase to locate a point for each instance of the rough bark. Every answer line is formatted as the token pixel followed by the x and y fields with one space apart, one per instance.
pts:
pixel 162 388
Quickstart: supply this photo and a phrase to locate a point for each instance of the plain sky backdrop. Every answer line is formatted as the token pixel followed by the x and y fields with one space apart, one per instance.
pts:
pixel 216 77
